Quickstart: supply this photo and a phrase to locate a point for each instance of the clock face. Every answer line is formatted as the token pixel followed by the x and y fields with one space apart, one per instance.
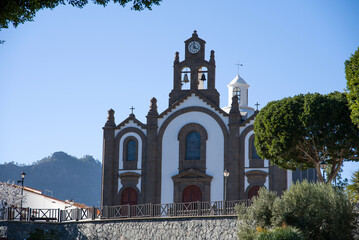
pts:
pixel 194 47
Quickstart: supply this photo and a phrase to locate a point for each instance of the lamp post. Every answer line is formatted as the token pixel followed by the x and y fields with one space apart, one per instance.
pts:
pixel 323 166
pixel 23 174
pixel 226 175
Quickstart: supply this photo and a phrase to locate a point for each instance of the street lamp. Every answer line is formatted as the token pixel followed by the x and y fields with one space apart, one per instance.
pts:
pixel 323 165
pixel 23 174
pixel 226 175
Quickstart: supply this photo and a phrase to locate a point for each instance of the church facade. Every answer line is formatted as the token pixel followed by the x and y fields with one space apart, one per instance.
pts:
pixel 180 155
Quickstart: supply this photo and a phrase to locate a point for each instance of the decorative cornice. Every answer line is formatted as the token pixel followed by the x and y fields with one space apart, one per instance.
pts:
pixel 192 172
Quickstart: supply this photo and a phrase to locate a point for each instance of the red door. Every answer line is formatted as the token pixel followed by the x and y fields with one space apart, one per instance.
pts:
pixel 192 193
pixel 253 191
pixel 129 196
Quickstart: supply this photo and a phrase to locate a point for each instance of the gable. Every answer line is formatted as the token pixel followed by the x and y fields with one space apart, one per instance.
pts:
pixel 131 121
pixel 193 99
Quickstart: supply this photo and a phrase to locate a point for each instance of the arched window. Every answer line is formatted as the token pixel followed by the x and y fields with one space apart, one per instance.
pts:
pixel 193 146
pixel 237 92
pixel 254 151
pixel 131 150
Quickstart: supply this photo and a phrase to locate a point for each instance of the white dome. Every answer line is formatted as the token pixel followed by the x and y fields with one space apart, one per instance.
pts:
pixel 238 80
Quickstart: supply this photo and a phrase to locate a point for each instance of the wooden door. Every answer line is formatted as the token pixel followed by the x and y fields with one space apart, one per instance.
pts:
pixel 253 191
pixel 129 196
pixel 192 193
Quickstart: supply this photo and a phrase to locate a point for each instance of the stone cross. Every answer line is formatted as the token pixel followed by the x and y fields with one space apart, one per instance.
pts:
pixel 257 104
pixel 132 108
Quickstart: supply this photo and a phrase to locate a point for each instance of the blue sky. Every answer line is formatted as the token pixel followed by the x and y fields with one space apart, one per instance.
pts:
pixel 61 73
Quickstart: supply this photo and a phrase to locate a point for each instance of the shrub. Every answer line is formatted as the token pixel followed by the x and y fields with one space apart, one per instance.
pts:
pixel 287 233
pixel 257 216
pixel 318 210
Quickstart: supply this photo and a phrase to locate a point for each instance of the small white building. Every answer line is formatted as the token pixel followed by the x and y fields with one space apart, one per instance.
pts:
pixel 33 198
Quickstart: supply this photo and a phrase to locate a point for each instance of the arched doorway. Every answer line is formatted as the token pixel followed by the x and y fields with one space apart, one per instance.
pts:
pixel 129 196
pixel 253 191
pixel 192 193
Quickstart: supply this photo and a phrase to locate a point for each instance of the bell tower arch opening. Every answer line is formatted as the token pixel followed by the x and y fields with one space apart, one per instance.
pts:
pixel 202 78
pixel 185 78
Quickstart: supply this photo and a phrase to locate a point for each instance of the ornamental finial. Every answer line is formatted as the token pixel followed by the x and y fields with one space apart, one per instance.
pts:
pixel 110 119
pixel 235 105
pixel 153 108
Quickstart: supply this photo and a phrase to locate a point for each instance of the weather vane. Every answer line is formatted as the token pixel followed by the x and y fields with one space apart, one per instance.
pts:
pixel 238 65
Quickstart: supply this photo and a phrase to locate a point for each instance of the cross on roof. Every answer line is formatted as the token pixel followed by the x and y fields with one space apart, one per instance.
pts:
pixel 238 65
pixel 132 108
pixel 257 104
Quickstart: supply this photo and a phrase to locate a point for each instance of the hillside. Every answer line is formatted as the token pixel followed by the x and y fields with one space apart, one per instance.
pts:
pixel 66 176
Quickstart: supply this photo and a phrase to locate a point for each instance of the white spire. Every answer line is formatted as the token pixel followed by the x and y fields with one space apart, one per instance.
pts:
pixel 238 86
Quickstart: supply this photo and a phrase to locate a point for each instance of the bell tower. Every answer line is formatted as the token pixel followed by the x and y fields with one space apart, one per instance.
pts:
pixel 194 73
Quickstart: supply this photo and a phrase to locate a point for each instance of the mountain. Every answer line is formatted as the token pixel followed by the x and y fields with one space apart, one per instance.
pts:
pixel 66 176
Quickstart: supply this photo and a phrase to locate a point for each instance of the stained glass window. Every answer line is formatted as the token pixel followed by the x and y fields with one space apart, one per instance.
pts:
pixel 193 146
pixel 131 150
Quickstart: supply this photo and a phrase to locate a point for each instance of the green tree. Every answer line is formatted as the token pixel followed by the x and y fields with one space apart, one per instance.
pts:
pixel 304 130
pixel 15 12
pixel 352 76
pixel 353 189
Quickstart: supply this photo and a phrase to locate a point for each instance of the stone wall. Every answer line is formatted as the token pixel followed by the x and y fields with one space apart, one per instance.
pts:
pixel 131 229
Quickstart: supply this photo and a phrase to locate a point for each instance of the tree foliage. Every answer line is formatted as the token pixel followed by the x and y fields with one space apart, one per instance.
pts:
pixel 15 12
pixel 10 195
pixel 304 130
pixel 352 76
pixel 353 189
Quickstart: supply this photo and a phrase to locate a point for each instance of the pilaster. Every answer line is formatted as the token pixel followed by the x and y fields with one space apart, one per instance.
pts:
pixel 232 164
pixel 152 168
pixel 109 171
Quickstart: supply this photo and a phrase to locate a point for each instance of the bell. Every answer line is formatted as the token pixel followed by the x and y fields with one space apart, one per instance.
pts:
pixel 185 78
pixel 203 78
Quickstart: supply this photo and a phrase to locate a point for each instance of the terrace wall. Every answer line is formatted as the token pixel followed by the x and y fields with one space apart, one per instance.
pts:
pixel 223 227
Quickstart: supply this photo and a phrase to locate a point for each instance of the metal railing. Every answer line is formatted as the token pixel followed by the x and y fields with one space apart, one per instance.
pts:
pixel 190 209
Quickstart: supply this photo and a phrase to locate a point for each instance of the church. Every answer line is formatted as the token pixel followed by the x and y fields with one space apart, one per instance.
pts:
pixel 182 153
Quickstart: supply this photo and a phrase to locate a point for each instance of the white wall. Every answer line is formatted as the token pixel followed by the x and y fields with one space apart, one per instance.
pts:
pixel 35 200
pixel 214 154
